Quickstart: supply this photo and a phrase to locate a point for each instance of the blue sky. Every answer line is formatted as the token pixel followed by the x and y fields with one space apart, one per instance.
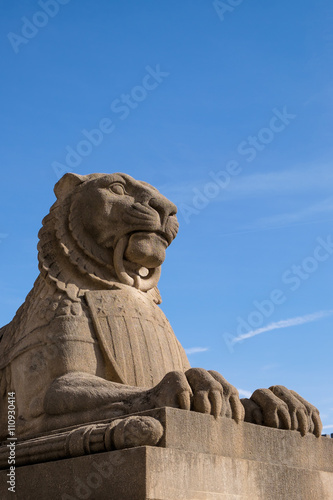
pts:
pixel 228 111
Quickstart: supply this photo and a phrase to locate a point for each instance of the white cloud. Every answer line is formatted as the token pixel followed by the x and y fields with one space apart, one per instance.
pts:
pixel 194 350
pixel 243 392
pixel 330 426
pixel 284 323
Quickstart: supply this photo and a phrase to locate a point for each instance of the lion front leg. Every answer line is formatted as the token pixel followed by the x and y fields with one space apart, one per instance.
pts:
pixel 79 397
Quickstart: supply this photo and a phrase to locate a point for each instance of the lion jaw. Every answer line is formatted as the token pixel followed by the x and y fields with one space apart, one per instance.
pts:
pixel 138 257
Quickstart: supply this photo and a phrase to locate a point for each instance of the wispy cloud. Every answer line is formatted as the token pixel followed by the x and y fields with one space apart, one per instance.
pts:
pixel 194 350
pixel 284 323
pixel 298 180
pixel 330 426
pixel 243 392
pixel 270 366
pixel 291 181
pixel 290 218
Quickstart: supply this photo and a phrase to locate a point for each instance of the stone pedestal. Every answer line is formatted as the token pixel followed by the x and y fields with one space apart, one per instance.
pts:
pixel 198 458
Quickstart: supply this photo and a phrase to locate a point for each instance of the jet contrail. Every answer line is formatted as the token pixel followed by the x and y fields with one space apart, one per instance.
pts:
pixel 284 323
pixel 193 350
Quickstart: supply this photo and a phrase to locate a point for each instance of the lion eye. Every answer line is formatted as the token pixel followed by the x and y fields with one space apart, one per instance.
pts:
pixel 117 188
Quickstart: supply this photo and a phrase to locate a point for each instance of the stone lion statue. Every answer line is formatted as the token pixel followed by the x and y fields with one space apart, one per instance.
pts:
pixel 91 342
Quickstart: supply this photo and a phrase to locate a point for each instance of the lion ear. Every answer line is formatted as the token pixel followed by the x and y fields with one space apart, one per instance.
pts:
pixel 67 183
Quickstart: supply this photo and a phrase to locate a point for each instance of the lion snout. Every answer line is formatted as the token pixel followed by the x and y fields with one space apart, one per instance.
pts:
pixel 164 208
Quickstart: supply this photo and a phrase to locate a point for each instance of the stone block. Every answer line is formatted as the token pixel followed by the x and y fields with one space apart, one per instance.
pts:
pixel 198 458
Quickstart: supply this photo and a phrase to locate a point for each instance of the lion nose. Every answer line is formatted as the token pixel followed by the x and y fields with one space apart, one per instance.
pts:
pixel 163 207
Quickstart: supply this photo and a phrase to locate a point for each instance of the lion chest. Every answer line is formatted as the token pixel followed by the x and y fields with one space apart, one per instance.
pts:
pixel 137 341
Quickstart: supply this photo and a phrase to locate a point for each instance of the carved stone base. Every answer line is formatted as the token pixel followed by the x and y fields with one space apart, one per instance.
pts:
pixel 198 458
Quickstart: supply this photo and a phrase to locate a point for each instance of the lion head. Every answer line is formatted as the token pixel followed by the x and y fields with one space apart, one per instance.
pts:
pixel 105 228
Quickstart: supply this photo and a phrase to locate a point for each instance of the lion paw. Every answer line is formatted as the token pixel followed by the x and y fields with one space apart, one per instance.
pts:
pixel 198 390
pixel 212 394
pixel 281 408
pixel 173 390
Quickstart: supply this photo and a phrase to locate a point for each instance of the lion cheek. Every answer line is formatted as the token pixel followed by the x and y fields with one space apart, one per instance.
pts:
pixel 146 249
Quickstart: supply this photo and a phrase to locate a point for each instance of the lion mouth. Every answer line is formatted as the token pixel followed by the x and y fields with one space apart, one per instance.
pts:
pixel 138 257
pixel 146 249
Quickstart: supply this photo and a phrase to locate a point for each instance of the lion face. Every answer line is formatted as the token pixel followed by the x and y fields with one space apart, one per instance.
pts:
pixel 125 223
